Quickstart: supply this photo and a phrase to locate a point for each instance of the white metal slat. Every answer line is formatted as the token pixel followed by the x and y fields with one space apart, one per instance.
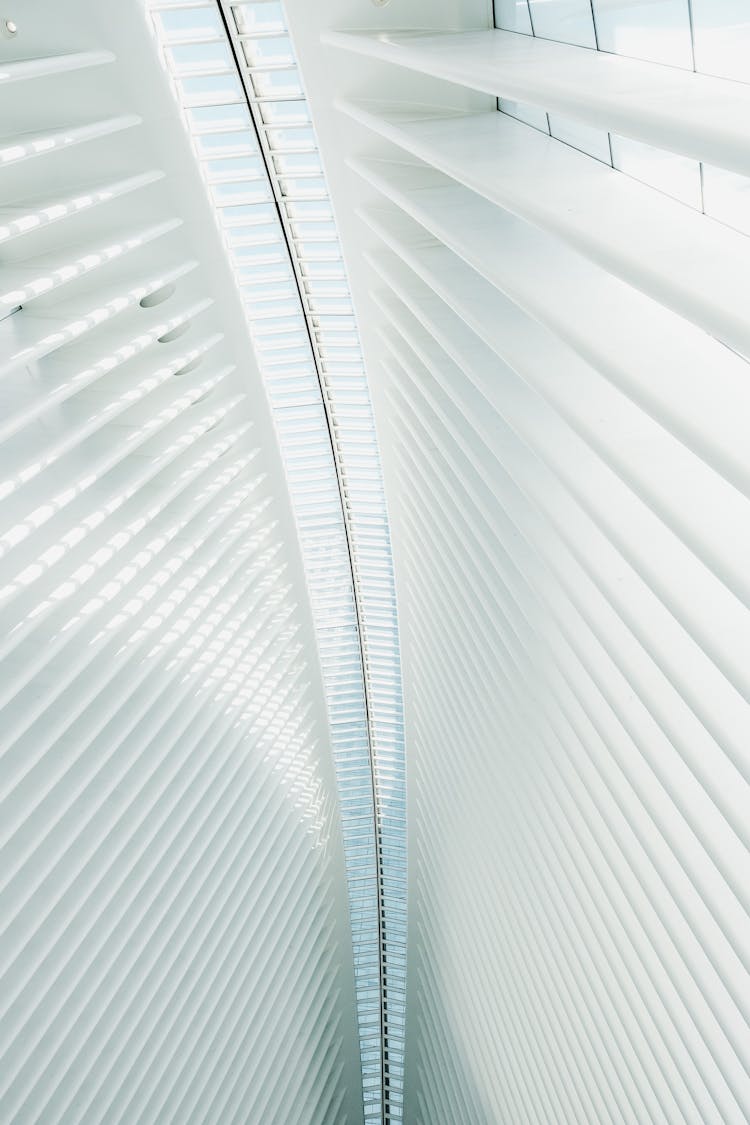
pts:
pixel 643 348
pixel 566 889
pixel 422 538
pixel 28 338
pixel 159 696
pixel 674 110
pixel 684 261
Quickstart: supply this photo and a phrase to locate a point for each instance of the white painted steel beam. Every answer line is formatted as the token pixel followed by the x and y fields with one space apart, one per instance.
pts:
pixel 698 268
pixel 643 348
pixel 174 926
pixel 695 115
pixel 569 477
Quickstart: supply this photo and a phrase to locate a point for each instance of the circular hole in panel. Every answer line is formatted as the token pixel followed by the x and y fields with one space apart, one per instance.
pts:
pixel 189 366
pixel 158 296
pixel 175 333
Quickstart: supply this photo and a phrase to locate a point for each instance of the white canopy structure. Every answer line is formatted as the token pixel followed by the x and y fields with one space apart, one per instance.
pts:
pixel 374 562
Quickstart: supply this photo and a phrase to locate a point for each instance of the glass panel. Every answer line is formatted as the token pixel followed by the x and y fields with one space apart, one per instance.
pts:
pixel 529 114
pixel 301 188
pixel 266 16
pixel 285 113
pixel 196 57
pixel 513 15
pixel 675 175
pixel 234 168
pixel 270 51
pixel 201 23
pixel 566 21
pixel 276 83
pixel 726 196
pixel 234 142
pixel 210 90
pixel 594 142
pixel 298 164
pixel 721 31
pixel 212 118
pixel 289 139
pixel 658 31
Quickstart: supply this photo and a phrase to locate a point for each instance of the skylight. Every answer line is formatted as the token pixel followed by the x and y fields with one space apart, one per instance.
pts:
pixel 235 71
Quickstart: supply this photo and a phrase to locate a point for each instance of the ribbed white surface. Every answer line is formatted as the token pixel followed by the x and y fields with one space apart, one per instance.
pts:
pixel 691 114
pixel 174 937
pixel 569 495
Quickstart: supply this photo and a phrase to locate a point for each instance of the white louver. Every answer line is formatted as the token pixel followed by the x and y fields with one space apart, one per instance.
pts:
pixel 173 904
pixel 565 425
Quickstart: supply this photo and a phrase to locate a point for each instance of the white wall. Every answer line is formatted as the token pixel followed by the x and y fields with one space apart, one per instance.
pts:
pixel 176 940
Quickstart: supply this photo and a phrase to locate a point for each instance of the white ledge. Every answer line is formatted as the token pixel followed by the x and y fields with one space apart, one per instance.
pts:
pixel 653 356
pixel 691 114
pixel 687 262
pixel 19 70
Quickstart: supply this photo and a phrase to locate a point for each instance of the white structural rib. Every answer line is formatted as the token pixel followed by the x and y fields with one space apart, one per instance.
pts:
pixel 35 335
pixel 20 220
pixel 567 436
pixel 693 265
pixel 691 114
pixel 22 70
pixel 644 349
pixel 22 282
pixel 174 926
pixel 693 502
pixel 27 145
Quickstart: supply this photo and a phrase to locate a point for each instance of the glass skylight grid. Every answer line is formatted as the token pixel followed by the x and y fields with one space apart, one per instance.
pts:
pixel 264 175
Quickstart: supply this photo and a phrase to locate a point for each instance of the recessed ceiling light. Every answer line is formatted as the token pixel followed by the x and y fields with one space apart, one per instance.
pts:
pixel 10 28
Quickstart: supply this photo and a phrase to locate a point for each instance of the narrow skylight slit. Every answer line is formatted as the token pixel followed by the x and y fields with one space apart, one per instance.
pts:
pixel 234 69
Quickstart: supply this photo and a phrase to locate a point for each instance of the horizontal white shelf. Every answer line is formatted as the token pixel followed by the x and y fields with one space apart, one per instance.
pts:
pixel 630 478
pixel 691 114
pixel 697 504
pixel 645 350
pixel 684 260
pixel 25 146
pixel 27 335
pixel 18 221
pixel 40 276
pixel 20 70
